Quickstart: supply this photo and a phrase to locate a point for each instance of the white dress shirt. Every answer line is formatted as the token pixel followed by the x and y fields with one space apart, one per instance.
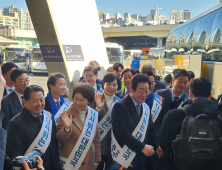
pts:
pixel 20 97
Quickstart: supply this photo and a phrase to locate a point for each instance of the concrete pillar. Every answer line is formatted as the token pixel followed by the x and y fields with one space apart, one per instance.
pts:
pixel 23 41
pixel 159 42
pixel 68 38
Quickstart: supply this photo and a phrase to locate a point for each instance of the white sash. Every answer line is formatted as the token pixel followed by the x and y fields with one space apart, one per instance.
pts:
pixel 105 124
pixel 65 105
pixel 124 156
pixel 43 139
pixel 157 106
pixel 84 142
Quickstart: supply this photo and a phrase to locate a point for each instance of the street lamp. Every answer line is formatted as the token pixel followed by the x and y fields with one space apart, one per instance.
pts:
pixel 158 13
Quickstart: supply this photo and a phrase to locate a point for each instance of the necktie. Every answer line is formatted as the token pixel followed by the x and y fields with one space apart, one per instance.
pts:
pixel 40 118
pixel 11 89
pixel 175 99
pixel 174 103
pixel 22 97
pixel 138 109
pixel 127 92
pixel 58 104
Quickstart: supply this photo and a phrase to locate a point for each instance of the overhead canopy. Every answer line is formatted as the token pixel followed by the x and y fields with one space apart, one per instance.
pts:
pixel 5 42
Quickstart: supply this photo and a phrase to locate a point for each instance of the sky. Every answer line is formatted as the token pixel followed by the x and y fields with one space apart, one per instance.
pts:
pixel 139 7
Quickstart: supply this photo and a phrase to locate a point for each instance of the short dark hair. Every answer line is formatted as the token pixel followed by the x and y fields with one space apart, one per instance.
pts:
pixel 175 70
pixel 110 77
pixel 32 88
pixel 117 65
pixel 126 70
pixel 168 78
pixel 192 75
pixel 16 73
pixel 200 87
pixel 91 68
pixel 86 90
pixel 149 73
pixel 8 66
pixel 180 72
pixel 136 70
pixel 139 78
pixel 53 79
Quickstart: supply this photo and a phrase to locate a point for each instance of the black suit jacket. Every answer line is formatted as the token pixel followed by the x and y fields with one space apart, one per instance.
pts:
pixel 120 93
pixel 5 92
pixel 22 131
pixel 47 106
pixel 124 121
pixel 3 135
pixel 11 106
pixel 167 105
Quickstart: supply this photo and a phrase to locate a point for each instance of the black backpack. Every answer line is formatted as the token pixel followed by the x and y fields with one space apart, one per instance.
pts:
pixel 197 147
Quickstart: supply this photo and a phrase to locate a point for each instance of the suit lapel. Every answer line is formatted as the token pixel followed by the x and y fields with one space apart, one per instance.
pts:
pixel 132 108
pixel 16 101
pixel 123 94
pixel 5 92
pixel 105 107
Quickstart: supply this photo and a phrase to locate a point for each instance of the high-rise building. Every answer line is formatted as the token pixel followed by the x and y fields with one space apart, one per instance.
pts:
pixel 100 13
pixel 1 11
pixel 27 21
pixel 120 21
pixel 127 15
pixel 24 16
pixel 118 15
pixel 180 15
pixel 134 16
pixel 10 21
pixel 106 16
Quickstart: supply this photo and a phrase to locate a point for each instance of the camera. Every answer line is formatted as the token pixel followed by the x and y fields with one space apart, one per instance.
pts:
pixel 29 158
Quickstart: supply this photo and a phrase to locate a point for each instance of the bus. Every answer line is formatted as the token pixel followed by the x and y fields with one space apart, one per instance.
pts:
pixel 37 62
pixel 200 36
pixel 17 54
pixel 114 53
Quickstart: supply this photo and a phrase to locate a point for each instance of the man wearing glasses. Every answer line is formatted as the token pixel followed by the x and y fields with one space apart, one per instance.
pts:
pixel 12 104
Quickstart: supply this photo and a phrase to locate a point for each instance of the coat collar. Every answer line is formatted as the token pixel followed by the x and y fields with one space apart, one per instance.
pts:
pixel 27 115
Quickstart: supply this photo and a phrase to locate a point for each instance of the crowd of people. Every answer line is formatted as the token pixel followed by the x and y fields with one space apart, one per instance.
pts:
pixel 128 119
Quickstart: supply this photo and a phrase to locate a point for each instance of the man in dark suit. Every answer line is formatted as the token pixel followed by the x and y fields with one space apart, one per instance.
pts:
pixel 117 69
pixel 175 96
pixel 12 103
pixel 3 133
pixel 127 74
pixel 57 86
pixel 7 68
pixel 126 115
pixel 25 127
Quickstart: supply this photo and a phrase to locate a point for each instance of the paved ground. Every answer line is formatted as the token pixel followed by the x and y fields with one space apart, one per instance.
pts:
pixel 39 79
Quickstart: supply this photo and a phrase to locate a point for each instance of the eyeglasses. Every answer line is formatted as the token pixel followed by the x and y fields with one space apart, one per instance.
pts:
pixel 143 92
pixel 25 81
